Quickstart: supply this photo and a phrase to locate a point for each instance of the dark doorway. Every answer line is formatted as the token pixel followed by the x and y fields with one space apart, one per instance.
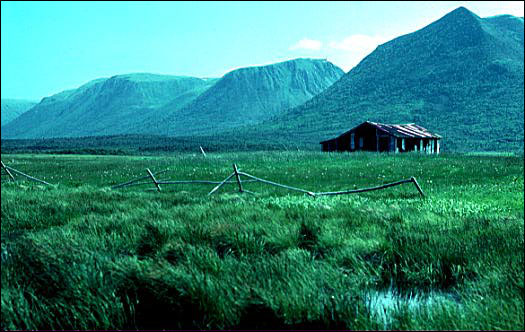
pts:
pixel 384 144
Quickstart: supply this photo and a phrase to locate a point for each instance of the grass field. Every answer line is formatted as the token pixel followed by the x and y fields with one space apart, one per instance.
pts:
pixel 83 256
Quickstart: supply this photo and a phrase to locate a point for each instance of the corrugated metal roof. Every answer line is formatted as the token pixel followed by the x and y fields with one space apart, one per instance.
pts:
pixel 408 130
pixel 405 130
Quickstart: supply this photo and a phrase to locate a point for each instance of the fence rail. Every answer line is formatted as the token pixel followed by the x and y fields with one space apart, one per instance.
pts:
pixel 354 191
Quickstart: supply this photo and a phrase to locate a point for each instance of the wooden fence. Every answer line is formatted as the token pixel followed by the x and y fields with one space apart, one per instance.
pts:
pixel 237 175
pixel 10 170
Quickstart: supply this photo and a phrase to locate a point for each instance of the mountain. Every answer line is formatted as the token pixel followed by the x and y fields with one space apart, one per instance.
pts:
pixel 251 95
pixel 105 106
pixel 11 108
pixel 461 76
pixel 173 105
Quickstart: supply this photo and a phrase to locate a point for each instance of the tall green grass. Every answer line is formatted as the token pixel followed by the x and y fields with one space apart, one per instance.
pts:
pixel 83 256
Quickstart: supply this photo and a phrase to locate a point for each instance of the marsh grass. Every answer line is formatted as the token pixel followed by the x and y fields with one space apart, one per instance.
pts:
pixel 83 256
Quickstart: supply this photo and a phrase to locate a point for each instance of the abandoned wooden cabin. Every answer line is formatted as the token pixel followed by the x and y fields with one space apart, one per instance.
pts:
pixel 380 137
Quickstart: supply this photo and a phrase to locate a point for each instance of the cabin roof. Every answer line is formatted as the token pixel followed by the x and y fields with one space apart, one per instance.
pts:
pixel 408 130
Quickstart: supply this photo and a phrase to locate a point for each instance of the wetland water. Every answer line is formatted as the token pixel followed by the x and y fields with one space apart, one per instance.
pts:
pixel 383 304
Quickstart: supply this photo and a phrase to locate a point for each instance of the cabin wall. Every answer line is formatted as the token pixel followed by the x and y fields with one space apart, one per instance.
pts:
pixel 411 144
pixel 385 143
pixel 369 138
pixel 344 143
pixel 329 146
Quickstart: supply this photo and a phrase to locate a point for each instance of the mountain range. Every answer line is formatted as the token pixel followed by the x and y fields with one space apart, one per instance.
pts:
pixel 461 76
pixel 105 106
pixel 175 105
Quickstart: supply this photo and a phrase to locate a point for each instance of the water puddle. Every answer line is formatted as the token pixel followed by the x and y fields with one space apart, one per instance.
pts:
pixel 384 303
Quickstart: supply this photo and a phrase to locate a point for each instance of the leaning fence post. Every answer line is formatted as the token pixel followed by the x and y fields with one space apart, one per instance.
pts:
pixel 153 178
pixel 237 177
pixel 8 173
pixel 417 186
pixel 202 150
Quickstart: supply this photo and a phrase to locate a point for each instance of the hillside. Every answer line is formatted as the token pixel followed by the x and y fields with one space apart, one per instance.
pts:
pixel 251 95
pixel 11 108
pixel 105 106
pixel 461 76
pixel 175 106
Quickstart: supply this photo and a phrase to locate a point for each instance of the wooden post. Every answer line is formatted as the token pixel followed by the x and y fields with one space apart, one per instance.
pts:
pixel 237 177
pixel 153 178
pixel 417 186
pixel 202 150
pixel 8 173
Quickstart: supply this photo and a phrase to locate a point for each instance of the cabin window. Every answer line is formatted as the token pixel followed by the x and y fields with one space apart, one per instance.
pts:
pixel 361 142
pixel 352 141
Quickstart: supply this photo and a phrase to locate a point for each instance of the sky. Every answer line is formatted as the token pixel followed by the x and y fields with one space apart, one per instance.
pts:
pixel 48 47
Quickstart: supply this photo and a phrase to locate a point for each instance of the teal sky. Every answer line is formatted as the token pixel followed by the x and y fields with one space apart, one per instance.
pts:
pixel 47 47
